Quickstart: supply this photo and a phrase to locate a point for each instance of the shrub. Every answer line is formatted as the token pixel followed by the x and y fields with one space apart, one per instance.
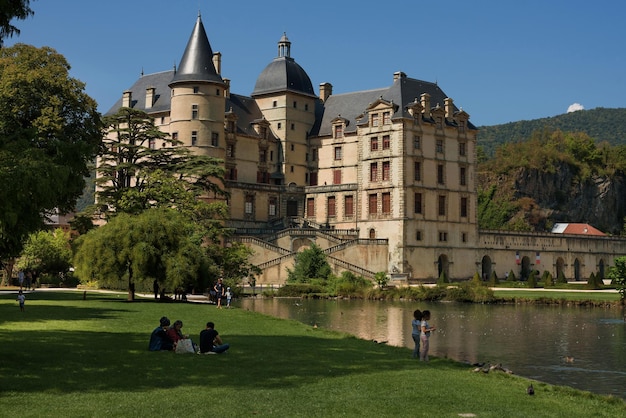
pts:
pixel 548 280
pixel 476 280
pixel 299 289
pixel 493 279
pixel 560 278
pixel 430 293
pixel 532 279
pixel 469 292
pixel 512 276
pixel 443 279
pixel 594 282
pixel 381 279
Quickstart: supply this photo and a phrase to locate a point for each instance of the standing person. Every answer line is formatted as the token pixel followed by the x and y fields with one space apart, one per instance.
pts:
pixel 425 335
pixel 210 340
pixel 155 287
pixel 416 324
pixel 219 292
pixel 159 340
pixel 21 298
pixel 20 278
pixel 229 296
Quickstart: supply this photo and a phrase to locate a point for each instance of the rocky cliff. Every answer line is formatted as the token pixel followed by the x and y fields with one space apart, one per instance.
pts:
pixel 538 199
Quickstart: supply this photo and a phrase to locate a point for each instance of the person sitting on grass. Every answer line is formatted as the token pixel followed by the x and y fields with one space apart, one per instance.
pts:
pixel 210 341
pixel 159 340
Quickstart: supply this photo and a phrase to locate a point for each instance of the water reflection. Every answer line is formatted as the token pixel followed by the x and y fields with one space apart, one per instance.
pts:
pixel 575 346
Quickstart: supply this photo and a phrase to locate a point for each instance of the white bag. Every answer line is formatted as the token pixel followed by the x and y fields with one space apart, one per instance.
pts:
pixel 185 346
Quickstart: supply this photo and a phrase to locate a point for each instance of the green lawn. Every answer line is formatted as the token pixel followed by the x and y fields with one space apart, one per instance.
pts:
pixel 69 357
pixel 555 294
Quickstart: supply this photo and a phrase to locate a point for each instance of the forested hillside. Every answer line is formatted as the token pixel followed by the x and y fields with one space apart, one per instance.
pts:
pixel 601 124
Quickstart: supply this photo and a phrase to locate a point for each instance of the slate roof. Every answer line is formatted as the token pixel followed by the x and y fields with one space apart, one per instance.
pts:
pixel 197 61
pixel 160 81
pixel 403 91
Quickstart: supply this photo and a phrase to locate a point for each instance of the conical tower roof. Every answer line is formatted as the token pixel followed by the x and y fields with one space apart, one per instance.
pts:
pixel 197 61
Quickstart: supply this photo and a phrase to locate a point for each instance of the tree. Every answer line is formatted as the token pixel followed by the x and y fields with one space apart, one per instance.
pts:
pixel 617 274
pixel 309 264
pixel 141 167
pixel 159 244
pixel 46 252
pixel 231 262
pixel 9 10
pixel 49 132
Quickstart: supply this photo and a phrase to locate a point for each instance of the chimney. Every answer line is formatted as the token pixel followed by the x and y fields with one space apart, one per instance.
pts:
pixel 217 62
pixel 149 97
pixel 127 98
pixel 227 88
pixel 397 75
pixel 449 107
pixel 326 90
pixel 425 98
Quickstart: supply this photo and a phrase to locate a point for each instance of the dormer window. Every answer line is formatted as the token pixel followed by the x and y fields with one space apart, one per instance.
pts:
pixel 338 131
pixel 375 119
pixel 386 118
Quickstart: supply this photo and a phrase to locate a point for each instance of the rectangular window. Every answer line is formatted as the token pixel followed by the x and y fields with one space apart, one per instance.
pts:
pixel 271 210
pixel 348 206
pixel 386 118
pixel 332 211
pixel 441 209
pixel 338 153
pixel 373 171
pixel 462 149
pixel 310 207
pixel 418 235
pixel 417 204
pixel 464 207
pixel 386 142
pixel 230 174
pixel 231 126
pixel 295 104
pixel 439 146
pixel 174 137
pixel 374 143
pixel 249 205
pixel 271 155
pixel 194 138
pixel 194 111
pixel 279 126
pixel 196 89
pixel 386 170
pixel 417 142
pixel 464 237
pixel 336 176
pixel 417 171
pixel 462 176
pixel 373 203
pixel 263 132
pixel 215 139
pixel 462 126
pixel 443 236
pixel 375 119
pixel 439 122
pixel 338 131
pixel 293 126
pixel 313 179
pixel 386 203
pixel 262 155
pixel 440 177
pixel 230 151
pixel 152 143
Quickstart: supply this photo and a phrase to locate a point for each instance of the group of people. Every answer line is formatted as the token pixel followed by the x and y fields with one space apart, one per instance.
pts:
pixel 222 292
pixel 421 333
pixel 167 336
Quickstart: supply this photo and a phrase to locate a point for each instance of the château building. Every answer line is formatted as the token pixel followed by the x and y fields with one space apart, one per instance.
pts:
pixel 382 179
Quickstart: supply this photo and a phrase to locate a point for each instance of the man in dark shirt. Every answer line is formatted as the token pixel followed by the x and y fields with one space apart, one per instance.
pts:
pixel 210 341
pixel 159 340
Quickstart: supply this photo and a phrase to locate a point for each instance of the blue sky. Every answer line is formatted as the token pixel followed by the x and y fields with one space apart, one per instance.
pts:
pixel 501 61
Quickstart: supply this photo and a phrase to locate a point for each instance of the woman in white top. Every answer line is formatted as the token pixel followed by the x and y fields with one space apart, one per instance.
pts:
pixel 425 335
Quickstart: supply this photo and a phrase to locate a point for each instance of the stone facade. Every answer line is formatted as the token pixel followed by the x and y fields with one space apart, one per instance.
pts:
pixel 382 180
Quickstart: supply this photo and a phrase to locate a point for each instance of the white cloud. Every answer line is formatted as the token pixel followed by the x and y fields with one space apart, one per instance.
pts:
pixel 574 107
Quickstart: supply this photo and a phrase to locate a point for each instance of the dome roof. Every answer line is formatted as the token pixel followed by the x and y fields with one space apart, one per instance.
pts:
pixel 283 74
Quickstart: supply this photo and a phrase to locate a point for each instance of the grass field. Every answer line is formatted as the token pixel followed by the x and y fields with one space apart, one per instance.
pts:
pixel 65 356
pixel 557 294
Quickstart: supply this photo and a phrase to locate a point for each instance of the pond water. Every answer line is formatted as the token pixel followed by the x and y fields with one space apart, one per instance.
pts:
pixel 584 348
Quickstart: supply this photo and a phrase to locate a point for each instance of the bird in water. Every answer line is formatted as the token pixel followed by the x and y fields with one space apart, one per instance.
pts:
pixel 530 389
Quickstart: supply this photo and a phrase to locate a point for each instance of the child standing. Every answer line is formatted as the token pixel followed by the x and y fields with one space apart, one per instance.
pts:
pixel 229 296
pixel 425 335
pixel 21 298
pixel 416 324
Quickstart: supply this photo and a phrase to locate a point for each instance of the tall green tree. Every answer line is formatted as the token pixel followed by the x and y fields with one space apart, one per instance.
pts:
pixel 9 10
pixel 141 167
pixel 49 131
pixel 157 244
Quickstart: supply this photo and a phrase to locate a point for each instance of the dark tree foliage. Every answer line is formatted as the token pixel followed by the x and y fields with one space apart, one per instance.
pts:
pixel 9 10
pixel 309 264
pixel 50 131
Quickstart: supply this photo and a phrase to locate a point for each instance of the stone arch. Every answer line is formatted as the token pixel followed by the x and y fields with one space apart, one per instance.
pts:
pixel 301 243
pixel 372 233
pixel 576 269
pixel 485 267
pixel 525 268
pixel 443 265
pixel 601 269
pixel 560 266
